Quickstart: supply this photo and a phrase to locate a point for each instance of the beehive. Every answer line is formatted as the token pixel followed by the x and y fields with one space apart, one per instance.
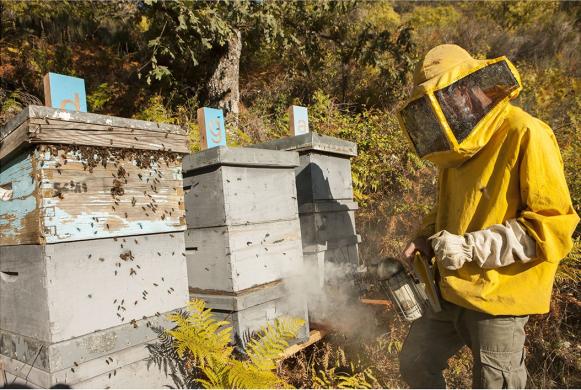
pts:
pixel 243 231
pixel 325 202
pixel 91 245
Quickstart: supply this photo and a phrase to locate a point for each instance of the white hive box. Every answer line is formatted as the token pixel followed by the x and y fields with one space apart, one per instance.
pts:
pixel 243 231
pixel 91 245
pixel 325 198
pixel 252 309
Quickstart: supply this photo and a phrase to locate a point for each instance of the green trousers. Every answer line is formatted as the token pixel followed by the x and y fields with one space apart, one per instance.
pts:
pixel 497 344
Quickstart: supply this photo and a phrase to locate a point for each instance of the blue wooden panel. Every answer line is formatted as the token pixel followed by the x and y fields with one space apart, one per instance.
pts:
pixel 213 127
pixel 65 92
pixel 16 175
pixel 87 210
pixel 299 117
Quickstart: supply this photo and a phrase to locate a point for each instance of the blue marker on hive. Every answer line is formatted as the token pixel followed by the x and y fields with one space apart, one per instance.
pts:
pixel 64 92
pixel 212 130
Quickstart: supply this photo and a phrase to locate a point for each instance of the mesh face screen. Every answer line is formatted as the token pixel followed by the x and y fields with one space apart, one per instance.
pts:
pixel 469 99
pixel 423 127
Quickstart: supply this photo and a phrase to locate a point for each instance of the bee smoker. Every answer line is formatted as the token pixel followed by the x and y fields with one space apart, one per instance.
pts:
pixel 407 295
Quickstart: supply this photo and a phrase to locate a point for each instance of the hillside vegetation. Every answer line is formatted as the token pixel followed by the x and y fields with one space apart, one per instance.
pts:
pixel 351 64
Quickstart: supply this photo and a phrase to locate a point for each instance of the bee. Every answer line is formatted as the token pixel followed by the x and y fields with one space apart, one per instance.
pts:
pixel 115 272
pixel 76 364
pixel 101 259
pixel 90 296
pixel 126 214
pixel 136 242
pixel 138 266
pixel 135 303
pixel 173 253
pixel 72 369
pixel 78 229
pixel 159 254
pixel 155 284
pixel 115 301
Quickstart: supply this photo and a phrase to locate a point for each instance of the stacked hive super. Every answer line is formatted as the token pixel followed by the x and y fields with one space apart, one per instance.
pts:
pixel 327 213
pixel 243 242
pixel 91 246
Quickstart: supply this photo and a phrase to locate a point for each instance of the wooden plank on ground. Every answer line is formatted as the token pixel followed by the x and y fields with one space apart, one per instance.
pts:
pixel 314 336
pixel 383 302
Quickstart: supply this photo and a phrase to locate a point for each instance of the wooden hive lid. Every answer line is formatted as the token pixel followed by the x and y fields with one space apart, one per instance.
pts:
pixel 242 157
pixel 312 142
pixel 46 125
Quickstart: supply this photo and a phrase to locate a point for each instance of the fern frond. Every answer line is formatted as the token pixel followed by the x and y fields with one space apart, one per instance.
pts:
pixel 217 376
pixel 271 341
pixel 245 375
pixel 206 339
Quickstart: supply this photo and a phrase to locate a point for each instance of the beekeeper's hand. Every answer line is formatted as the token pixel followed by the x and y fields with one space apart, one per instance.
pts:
pixel 451 250
pixel 497 246
pixel 420 244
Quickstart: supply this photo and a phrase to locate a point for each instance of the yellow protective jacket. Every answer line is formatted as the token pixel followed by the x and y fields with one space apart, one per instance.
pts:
pixel 509 167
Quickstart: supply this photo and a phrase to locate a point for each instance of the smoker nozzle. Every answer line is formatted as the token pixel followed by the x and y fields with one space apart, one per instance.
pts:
pixel 385 268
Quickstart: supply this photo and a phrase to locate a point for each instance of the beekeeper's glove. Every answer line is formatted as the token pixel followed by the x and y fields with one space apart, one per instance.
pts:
pixel 497 246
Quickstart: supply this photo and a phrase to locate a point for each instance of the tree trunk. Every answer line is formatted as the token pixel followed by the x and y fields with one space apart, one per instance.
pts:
pixel 224 84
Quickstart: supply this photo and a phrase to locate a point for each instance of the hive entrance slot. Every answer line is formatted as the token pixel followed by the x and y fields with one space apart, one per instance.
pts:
pixel 8 276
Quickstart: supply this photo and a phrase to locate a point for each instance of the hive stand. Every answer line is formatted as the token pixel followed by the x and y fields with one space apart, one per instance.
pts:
pixel 92 249
pixel 243 241
pixel 326 208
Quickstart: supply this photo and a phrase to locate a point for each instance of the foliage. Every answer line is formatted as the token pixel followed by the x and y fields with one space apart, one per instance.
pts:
pixel 198 351
pixel 326 366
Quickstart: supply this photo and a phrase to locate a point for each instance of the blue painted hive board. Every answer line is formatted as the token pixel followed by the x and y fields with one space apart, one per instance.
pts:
pixel 70 194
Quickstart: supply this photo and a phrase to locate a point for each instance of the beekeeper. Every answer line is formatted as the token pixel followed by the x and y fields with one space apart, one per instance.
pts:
pixel 502 222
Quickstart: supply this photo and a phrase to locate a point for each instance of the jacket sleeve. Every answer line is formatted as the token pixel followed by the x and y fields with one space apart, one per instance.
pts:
pixel 547 215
